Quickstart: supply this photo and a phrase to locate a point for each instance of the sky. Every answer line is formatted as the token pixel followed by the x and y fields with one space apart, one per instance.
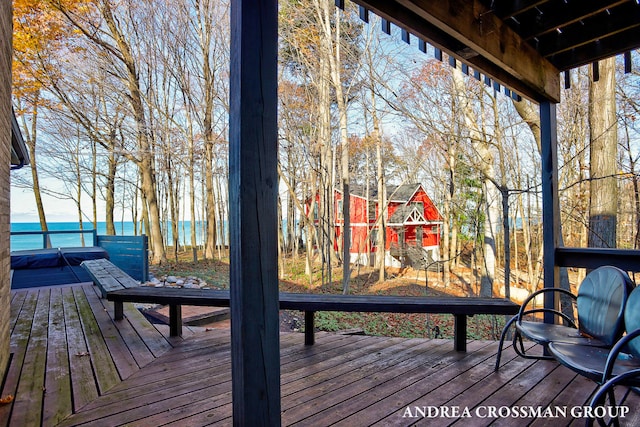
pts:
pixel 23 205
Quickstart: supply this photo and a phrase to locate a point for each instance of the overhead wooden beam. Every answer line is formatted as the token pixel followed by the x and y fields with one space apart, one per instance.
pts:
pixel 471 23
pixel 578 35
pixel 472 34
pixel 512 8
pixel 604 48
pixel 253 188
pixel 558 14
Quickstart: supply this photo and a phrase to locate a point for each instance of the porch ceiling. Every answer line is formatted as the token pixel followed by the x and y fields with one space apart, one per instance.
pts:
pixel 523 44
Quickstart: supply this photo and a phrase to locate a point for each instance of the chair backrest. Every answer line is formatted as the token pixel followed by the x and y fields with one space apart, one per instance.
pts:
pixel 632 320
pixel 601 301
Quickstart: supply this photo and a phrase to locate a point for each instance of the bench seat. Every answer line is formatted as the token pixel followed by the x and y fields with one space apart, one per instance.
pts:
pixel 310 303
pixel 118 287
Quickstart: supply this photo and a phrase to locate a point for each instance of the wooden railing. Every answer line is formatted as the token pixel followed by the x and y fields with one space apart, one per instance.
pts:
pixel 625 259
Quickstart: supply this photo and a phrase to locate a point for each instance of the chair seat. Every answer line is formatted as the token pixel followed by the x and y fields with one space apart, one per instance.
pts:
pixel 544 333
pixel 590 361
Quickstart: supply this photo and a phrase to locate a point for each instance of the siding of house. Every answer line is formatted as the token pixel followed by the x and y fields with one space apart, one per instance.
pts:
pixel 363 225
pixel 6 31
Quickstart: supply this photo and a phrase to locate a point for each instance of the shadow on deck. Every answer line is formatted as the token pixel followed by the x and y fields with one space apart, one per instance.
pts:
pixel 73 365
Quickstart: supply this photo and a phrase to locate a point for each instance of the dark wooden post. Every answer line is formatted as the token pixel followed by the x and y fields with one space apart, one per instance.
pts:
pixel 253 191
pixel 460 332
pixel 550 203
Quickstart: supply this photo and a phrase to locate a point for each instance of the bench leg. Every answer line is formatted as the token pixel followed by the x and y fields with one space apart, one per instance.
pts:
pixel 460 332
pixel 175 320
pixel 309 334
pixel 118 311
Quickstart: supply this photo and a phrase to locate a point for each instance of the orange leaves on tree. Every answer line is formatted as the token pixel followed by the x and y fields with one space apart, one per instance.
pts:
pixel 39 31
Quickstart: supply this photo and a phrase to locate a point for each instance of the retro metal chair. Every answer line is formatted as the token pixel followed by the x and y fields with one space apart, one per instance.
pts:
pixel 617 366
pixel 600 305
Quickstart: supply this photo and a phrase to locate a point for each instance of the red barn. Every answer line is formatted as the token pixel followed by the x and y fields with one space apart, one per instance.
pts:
pixel 413 225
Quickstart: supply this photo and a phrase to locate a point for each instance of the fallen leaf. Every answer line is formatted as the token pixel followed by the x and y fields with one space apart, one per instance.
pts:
pixel 6 400
pixel 82 354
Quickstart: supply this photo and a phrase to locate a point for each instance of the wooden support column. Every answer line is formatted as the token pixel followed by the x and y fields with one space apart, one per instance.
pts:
pixel 550 202
pixel 253 180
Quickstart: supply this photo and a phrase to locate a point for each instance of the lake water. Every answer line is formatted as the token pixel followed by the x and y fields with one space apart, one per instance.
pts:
pixel 126 228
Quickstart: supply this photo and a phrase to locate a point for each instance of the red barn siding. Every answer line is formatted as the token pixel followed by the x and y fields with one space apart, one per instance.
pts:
pixel 361 225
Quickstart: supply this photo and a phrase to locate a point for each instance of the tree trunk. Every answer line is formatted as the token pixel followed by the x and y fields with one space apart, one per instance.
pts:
pixel 31 142
pixel 449 233
pixel 110 195
pixel 145 160
pixel 334 61
pixel 603 127
pixel 491 195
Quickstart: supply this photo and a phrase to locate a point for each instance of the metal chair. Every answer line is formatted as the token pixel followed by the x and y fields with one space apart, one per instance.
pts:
pixel 600 305
pixel 617 366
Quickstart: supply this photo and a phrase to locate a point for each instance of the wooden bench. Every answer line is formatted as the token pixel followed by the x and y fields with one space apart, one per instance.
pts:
pixel 109 279
pixel 310 303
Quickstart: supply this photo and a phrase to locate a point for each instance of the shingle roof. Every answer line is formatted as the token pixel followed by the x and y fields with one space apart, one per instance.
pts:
pixel 395 193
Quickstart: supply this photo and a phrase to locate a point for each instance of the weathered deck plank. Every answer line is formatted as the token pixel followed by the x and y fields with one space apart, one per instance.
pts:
pixel 169 389
pixel 344 380
pixel 386 393
pixel 123 359
pixel 57 398
pixel 153 340
pixel 105 373
pixel 27 411
pixel 83 385
pixel 328 380
pixel 17 300
pixel 19 341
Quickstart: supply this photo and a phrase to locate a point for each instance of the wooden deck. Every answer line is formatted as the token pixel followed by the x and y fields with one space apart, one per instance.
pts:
pixel 73 365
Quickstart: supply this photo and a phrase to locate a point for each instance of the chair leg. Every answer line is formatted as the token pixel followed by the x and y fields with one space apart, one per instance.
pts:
pixel 503 336
pixel 612 402
pixel 607 391
pixel 518 346
pixel 517 340
pixel 600 402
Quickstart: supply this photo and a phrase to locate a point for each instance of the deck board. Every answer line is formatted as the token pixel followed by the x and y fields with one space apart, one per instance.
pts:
pixel 65 351
pixel 18 347
pixel 57 398
pixel 27 411
pixel 142 377
pixel 84 388
pixel 17 300
pixel 123 360
pixel 105 373
pixel 386 393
